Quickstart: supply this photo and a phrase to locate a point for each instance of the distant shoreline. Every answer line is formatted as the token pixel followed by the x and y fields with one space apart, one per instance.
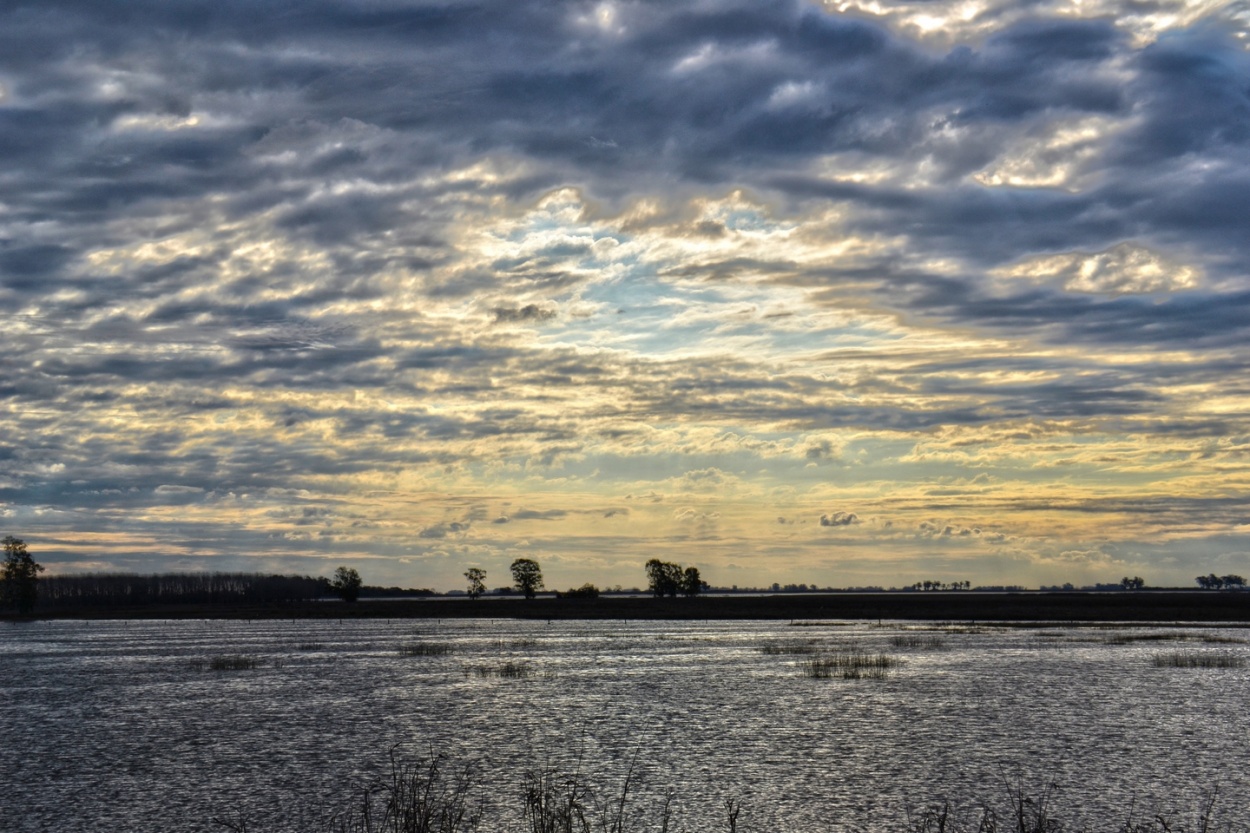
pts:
pixel 1156 607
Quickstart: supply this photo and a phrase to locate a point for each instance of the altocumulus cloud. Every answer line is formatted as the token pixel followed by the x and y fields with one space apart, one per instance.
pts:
pixel 390 264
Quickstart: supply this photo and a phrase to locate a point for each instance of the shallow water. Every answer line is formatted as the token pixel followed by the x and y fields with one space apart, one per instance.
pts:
pixel 124 726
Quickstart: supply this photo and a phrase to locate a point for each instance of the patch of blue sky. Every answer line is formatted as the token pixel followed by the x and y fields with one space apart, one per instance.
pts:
pixel 640 312
pixel 747 219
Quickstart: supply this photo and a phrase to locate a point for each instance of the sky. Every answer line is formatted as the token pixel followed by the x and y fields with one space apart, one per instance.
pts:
pixel 847 294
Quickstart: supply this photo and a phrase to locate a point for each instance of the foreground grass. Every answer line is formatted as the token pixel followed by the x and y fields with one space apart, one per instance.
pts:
pixel 430 795
pixel 1022 811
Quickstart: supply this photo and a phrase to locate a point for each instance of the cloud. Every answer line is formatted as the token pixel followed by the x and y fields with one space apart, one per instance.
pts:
pixel 690 515
pixel 937 529
pixel 529 312
pixel 178 490
pixel 539 515
pixel 1124 269
pixel 839 519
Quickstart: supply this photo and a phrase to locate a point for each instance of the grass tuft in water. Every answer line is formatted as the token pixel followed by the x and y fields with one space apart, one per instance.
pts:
pixel 914 640
pixel 1197 659
pixel 424 649
pixel 515 644
pixel 850 665
pixel 507 670
pixel 1173 636
pixel 226 662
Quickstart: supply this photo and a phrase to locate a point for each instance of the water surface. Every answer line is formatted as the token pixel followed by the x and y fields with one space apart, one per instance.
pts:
pixel 125 725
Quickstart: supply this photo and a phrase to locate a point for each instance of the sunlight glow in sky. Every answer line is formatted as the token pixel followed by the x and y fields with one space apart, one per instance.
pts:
pixel 838 293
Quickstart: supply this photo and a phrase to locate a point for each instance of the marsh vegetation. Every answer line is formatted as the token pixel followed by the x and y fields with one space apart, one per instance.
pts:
pixel 1173 636
pixel 850 665
pixel 928 642
pixel 424 649
pixel 1198 659
pixel 508 670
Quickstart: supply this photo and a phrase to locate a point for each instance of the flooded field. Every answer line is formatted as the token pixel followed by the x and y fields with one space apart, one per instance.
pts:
pixel 161 725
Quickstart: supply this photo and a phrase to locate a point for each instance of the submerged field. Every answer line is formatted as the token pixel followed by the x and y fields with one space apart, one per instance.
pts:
pixel 815 725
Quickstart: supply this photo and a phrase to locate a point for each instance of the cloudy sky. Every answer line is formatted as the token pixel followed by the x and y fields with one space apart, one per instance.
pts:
pixel 859 293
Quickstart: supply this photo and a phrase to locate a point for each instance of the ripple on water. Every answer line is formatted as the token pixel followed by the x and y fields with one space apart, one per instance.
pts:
pixel 125 725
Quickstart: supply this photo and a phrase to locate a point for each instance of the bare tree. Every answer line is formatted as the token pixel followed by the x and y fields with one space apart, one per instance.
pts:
pixel 477 581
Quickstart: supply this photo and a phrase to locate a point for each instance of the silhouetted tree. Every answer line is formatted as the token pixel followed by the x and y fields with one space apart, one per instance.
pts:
pixel 20 579
pixel 1214 582
pixel 691 583
pixel 527 576
pixel 477 581
pixel 346 584
pixel 1134 583
pixel 663 577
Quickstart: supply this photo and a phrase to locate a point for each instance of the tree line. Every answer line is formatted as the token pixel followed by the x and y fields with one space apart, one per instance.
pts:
pixel 664 578
pixel 1213 582
pixel 131 589
pixel 21 586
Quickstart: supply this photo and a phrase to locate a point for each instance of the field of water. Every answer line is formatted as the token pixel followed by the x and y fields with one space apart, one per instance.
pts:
pixel 166 725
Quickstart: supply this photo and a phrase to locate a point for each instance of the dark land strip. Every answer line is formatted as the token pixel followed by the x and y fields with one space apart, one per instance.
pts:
pixel 1146 606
